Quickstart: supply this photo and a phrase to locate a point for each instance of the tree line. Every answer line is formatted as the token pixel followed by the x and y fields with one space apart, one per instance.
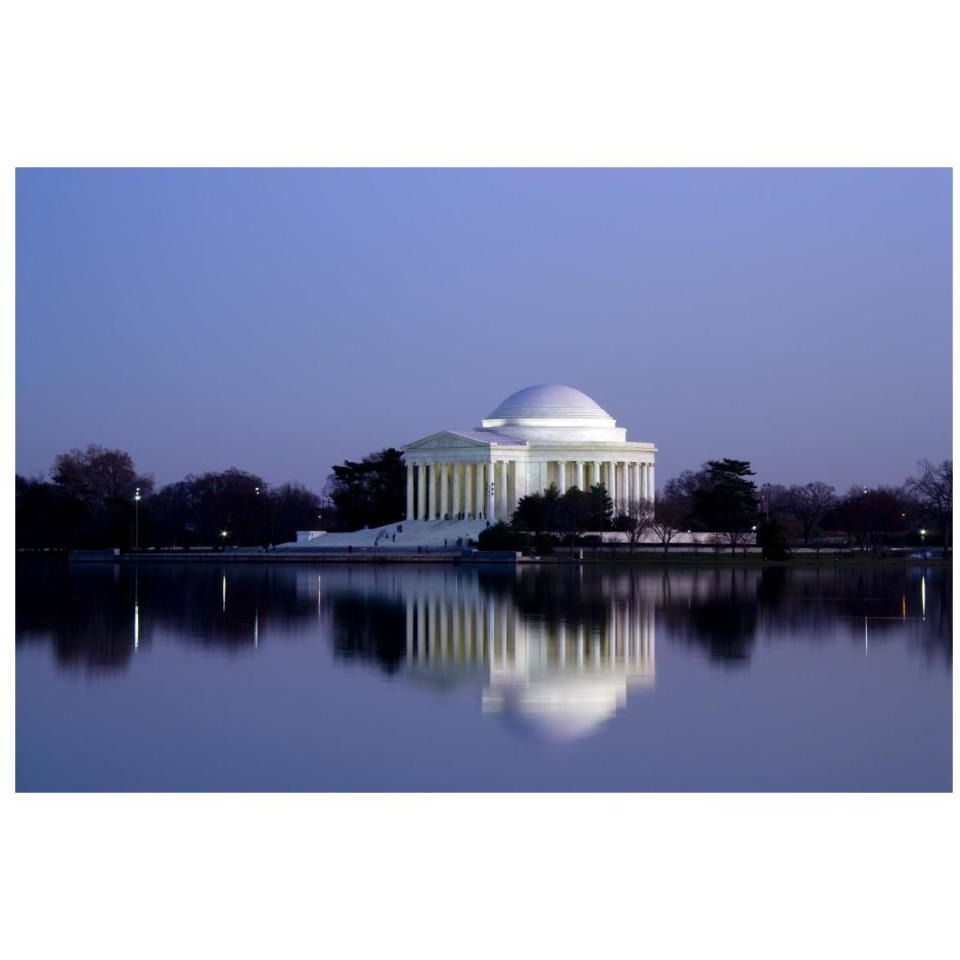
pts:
pixel 96 498
pixel 722 498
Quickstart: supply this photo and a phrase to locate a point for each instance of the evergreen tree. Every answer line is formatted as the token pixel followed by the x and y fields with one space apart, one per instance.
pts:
pixel 772 539
pixel 369 493
pixel 601 515
pixel 724 499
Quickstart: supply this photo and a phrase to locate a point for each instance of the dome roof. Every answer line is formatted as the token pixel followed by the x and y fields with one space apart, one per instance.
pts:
pixel 551 400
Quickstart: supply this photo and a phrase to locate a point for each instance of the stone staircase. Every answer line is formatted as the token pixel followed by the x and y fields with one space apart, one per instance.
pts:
pixel 404 535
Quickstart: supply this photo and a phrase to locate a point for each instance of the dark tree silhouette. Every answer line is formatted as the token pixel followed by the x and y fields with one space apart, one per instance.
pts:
pixel 934 490
pixel 98 477
pixel 635 519
pixel 810 504
pixel 601 517
pixel 724 499
pixel 867 517
pixel 369 492
pixel 538 512
pixel 671 514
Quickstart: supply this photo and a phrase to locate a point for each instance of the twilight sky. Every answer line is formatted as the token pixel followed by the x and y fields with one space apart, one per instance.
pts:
pixel 283 320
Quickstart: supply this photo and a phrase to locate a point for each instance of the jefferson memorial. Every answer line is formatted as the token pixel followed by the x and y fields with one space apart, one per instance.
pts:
pixel 538 436
pixel 460 481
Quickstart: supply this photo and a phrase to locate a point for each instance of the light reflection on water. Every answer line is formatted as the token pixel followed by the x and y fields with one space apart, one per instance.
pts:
pixel 559 656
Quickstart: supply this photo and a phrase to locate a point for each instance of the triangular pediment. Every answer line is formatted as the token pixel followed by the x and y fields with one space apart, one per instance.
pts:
pixel 444 440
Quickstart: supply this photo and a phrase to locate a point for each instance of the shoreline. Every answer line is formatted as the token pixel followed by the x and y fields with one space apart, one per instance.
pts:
pixel 473 557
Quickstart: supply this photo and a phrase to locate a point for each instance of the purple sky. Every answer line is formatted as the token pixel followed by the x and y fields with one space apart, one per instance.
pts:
pixel 283 320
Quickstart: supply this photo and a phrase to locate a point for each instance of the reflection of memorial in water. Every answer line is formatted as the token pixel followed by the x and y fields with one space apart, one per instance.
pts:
pixel 530 637
pixel 560 677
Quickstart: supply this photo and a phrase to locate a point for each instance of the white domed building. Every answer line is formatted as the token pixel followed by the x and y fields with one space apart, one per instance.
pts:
pixel 541 435
pixel 460 481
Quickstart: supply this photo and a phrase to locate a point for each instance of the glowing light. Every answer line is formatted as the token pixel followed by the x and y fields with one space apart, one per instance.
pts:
pixel 923 596
pixel 223 592
pixel 866 638
pixel 223 533
pixel 136 626
pixel 256 628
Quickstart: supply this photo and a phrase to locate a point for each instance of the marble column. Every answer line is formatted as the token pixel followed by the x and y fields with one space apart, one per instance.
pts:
pixel 612 488
pixel 562 476
pixel 421 490
pixel 491 505
pixel 596 473
pixel 652 490
pixel 580 475
pixel 520 471
pixel 409 491
pixel 502 508
pixel 478 507
pixel 434 469
pixel 625 491
pixel 457 501
pixel 444 489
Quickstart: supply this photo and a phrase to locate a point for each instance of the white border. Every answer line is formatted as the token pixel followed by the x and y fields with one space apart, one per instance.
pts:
pixel 846 83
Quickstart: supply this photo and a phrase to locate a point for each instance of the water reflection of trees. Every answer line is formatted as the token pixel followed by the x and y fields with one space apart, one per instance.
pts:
pixel 85 615
pixel 725 610
pixel 368 628
pixel 96 615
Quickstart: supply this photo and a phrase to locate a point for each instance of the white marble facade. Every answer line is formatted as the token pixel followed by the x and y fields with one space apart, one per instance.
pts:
pixel 541 435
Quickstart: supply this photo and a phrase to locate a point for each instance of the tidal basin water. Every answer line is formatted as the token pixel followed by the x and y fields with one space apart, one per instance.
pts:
pixel 238 677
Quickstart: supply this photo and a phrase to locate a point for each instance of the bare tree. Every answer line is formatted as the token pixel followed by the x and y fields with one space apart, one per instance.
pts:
pixel 99 476
pixel 635 519
pixel 934 489
pixel 774 499
pixel 670 515
pixel 735 537
pixel 810 504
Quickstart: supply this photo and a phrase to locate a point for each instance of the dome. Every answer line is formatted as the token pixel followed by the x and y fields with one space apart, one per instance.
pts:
pixel 548 400
pixel 551 412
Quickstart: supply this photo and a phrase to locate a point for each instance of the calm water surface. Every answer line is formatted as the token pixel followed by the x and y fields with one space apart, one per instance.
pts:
pixel 354 677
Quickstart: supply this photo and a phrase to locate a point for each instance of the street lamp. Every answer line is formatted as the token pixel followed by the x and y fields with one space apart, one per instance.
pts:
pixel 923 533
pixel 136 519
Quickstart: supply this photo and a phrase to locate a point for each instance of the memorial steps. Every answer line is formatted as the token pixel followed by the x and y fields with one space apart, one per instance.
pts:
pixel 410 534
